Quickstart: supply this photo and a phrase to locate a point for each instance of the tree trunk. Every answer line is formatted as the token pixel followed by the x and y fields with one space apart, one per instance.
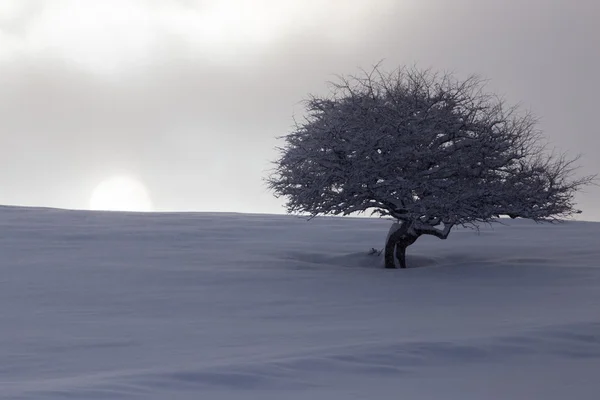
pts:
pixel 398 239
pixel 401 255
pixel 389 253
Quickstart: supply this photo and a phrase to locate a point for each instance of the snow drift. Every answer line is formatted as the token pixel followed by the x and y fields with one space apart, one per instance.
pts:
pixel 99 305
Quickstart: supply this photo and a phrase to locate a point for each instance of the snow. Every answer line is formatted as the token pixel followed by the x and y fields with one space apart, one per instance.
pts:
pixel 101 305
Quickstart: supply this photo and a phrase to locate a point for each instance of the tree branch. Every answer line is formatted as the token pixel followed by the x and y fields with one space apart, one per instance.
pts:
pixel 431 230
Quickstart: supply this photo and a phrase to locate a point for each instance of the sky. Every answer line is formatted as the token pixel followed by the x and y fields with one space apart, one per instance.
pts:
pixel 187 97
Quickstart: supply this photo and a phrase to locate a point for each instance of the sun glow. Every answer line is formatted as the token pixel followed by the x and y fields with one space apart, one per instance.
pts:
pixel 120 193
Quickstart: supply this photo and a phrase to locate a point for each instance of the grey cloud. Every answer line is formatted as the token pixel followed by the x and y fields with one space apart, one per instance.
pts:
pixel 200 133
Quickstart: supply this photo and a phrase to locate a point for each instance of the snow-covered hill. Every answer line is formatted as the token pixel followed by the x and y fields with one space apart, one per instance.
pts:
pixel 231 306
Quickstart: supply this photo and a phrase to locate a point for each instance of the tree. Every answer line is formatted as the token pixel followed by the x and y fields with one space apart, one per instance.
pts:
pixel 428 149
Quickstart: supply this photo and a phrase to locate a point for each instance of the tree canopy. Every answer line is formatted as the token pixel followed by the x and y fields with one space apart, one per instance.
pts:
pixel 424 148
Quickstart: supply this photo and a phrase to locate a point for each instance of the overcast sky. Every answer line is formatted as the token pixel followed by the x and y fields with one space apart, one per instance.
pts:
pixel 188 96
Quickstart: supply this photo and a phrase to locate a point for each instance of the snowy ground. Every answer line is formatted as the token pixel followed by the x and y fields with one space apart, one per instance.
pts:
pixel 234 306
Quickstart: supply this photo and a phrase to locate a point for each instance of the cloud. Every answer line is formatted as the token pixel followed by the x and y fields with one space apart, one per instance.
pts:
pixel 110 36
pixel 189 95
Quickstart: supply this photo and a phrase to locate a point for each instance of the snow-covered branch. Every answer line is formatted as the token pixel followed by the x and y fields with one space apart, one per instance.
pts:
pixel 420 146
pixel 428 229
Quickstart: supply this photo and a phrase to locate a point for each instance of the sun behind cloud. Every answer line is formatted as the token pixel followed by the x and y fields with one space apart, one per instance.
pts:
pixel 120 193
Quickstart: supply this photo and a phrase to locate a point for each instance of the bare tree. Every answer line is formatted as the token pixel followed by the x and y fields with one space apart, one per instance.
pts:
pixel 427 149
